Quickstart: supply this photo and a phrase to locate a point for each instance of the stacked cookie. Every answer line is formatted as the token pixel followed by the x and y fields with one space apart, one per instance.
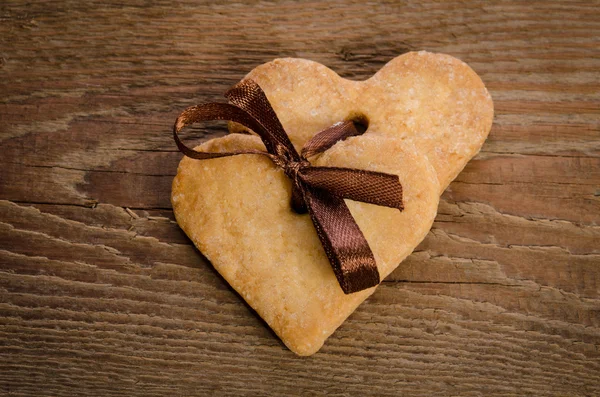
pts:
pixel 425 115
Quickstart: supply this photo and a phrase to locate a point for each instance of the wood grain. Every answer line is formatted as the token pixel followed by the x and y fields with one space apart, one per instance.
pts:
pixel 102 294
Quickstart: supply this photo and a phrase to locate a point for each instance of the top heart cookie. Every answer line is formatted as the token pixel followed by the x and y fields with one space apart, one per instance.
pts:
pixel 433 100
pixel 427 116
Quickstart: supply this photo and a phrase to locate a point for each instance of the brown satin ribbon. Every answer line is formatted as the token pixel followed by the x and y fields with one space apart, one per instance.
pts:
pixel 319 190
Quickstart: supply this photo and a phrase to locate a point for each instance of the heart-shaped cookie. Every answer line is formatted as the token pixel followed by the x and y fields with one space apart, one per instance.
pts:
pixel 427 115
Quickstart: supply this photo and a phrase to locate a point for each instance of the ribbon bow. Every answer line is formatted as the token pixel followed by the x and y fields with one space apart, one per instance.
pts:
pixel 319 190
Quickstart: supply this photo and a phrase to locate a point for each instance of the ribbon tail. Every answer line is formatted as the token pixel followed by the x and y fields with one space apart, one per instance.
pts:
pixel 345 245
pixel 359 185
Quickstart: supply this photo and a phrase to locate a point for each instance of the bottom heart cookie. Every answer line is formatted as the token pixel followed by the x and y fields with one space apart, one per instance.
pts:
pixel 237 211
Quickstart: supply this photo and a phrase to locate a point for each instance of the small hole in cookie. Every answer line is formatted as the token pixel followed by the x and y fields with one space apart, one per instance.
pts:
pixel 361 122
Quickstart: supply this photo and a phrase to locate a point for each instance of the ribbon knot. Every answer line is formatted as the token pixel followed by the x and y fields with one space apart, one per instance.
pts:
pixel 320 191
pixel 292 170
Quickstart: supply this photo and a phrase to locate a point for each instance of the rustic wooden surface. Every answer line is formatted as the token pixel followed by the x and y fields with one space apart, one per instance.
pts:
pixel 102 294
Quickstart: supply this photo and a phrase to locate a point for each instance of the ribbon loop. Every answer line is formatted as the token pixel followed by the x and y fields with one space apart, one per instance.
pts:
pixel 248 95
pixel 328 137
pixel 207 112
pixel 320 191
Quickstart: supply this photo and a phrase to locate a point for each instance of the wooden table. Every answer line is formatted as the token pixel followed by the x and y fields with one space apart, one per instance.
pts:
pixel 102 294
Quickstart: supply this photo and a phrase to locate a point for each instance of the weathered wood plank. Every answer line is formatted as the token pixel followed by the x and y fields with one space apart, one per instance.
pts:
pixel 102 294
